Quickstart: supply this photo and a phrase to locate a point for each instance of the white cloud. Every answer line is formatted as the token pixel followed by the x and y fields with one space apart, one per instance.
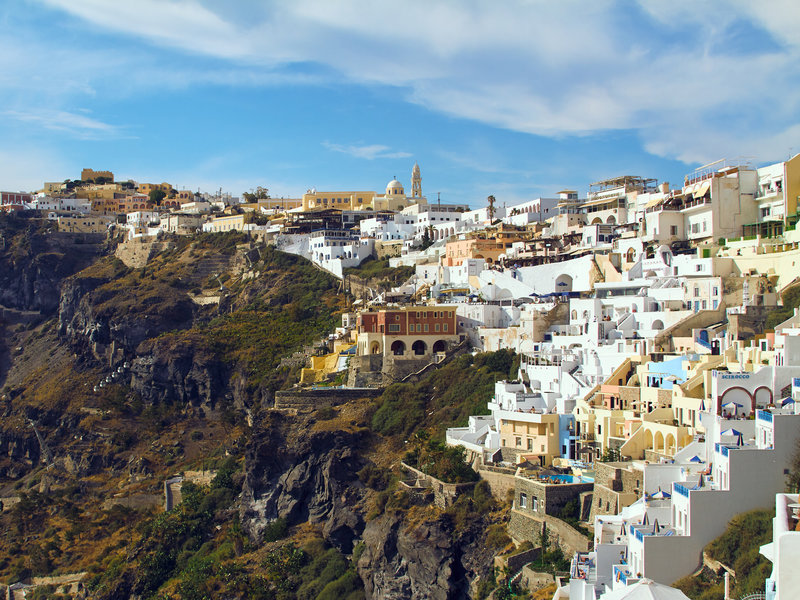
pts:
pixel 535 66
pixel 369 152
pixel 79 125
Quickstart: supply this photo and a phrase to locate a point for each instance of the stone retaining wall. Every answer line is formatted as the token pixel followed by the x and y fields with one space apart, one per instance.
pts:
pixel 314 398
pixel 523 527
pixel 444 494
pixel 500 480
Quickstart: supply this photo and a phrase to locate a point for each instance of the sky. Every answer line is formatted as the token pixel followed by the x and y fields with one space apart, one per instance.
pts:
pixel 518 99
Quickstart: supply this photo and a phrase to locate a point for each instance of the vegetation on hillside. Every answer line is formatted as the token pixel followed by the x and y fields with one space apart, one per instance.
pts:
pixel 446 397
pixel 379 270
pixel 738 548
pixel 791 300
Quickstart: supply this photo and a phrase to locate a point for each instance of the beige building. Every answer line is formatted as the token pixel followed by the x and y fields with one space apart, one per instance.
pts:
pixel 92 175
pixel 394 199
pixel 81 224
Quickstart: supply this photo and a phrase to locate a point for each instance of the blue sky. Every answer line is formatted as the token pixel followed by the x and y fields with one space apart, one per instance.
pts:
pixel 517 99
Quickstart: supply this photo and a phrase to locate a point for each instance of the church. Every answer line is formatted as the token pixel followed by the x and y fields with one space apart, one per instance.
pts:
pixel 394 199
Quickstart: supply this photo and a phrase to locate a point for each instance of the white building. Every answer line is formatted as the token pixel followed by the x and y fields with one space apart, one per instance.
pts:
pixel 783 550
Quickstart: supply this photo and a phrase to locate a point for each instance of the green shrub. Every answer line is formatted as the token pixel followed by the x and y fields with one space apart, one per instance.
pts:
pixel 276 530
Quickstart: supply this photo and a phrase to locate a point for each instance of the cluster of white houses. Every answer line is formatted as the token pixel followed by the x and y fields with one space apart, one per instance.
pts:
pixel 638 313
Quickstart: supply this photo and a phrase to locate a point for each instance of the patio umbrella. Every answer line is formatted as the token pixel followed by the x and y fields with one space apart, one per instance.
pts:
pixel 731 431
pixel 646 589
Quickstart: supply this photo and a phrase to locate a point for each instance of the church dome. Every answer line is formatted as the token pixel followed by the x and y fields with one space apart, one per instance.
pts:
pixel 394 188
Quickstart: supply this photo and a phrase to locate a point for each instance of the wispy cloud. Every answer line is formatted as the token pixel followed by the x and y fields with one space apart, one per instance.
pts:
pixel 535 66
pixel 79 125
pixel 369 152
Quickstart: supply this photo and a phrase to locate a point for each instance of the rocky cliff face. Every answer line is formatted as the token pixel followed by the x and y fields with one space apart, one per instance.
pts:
pixel 111 323
pixel 178 372
pixel 299 476
pixel 34 263
pixel 427 561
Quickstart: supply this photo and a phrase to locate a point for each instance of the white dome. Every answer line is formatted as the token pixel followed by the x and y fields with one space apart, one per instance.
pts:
pixel 394 188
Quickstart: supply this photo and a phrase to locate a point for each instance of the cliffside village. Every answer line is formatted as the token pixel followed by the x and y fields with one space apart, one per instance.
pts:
pixel 651 388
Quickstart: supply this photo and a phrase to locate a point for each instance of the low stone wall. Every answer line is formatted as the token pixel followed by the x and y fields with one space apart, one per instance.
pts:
pixel 135 501
pixel 444 494
pixel 534 580
pixel 523 527
pixel 515 562
pixel 314 398
pixel 500 480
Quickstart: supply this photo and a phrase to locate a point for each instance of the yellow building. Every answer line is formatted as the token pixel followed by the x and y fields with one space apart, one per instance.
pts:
pixel 92 175
pixel 534 436
pixel 146 188
pixel 81 224
pixel 394 199
pixel 226 223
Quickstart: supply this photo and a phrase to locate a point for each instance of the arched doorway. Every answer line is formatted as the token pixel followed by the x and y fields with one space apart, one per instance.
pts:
pixel 419 347
pixel 563 283
pixel 398 348
pixel 375 348
pixel 439 346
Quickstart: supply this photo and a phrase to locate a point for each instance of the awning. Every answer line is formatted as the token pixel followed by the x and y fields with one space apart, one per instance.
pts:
pixel 702 189
pixel 689 190
pixel 653 203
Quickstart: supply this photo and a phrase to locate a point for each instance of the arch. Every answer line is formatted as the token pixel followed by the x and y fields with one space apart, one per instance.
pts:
pixel 439 346
pixel 574 315
pixel 611 220
pixel 375 348
pixel 630 255
pixel 670 441
pixel 648 439
pixel 419 348
pixel 398 348
pixel 659 442
pixel 762 396
pixel 658 324
pixel 564 283
pixel 597 221
pixel 738 394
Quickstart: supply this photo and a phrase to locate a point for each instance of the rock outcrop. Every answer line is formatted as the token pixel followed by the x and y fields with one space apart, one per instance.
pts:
pixel 429 560
pixel 33 264
pixel 111 322
pixel 178 371
pixel 297 475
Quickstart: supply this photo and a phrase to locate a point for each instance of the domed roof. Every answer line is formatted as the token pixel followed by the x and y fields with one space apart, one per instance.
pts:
pixel 394 187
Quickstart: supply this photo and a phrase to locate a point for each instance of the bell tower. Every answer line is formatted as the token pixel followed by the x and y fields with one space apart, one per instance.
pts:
pixel 416 182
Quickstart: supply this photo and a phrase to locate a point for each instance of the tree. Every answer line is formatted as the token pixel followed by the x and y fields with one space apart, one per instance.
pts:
pixel 156 196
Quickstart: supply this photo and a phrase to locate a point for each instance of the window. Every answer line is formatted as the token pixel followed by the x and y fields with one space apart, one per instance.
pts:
pixel 425 329
pixel 535 504
pixel 523 500
pixel 394 328
pixel 445 327
pixel 397 317
pixel 518 442
pixel 530 444
pixel 705 305
pixel 673 230
pixel 696 292
pixel 436 327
